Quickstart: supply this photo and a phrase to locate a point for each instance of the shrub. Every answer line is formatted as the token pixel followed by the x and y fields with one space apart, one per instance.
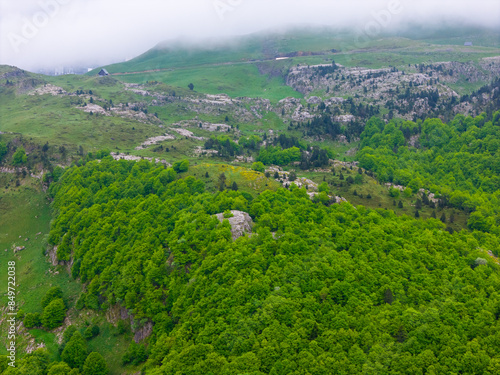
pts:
pixel 181 166
pixel 32 320
pixel 92 302
pixel 3 150
pixel 91 332
pixel 135 354
pixel 80 303
pixel 54 314
pixel 393 192
pixel 60 368
pixel 122 327
pixel 52 294
pixel 19 156
pixel 95 365
pixel 75 352
pixel 324 187
pixel 67 335
pixel 258 166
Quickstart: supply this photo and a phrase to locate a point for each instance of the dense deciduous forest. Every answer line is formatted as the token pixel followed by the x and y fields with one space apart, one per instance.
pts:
pixel 458 161
pixel 316 288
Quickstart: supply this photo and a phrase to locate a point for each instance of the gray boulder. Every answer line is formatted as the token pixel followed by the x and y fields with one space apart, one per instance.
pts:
pixel 241 223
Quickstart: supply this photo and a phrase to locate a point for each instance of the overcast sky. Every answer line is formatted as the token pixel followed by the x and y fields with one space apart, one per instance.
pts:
pixel 50 33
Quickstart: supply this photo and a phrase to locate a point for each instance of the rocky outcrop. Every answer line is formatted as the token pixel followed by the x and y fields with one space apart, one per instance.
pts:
pixel 144 332
pixel 240 222
pixel 54 260
pixel 117 312
pixel 14 73
pixel 154 140
pixel 48 89
pixel 118 156
pixel 187 133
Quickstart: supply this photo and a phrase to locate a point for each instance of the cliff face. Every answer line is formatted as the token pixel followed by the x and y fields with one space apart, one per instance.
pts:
pixel 241 223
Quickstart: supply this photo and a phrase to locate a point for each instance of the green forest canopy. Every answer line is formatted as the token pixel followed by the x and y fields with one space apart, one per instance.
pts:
pixel 459 162
pixel 318 289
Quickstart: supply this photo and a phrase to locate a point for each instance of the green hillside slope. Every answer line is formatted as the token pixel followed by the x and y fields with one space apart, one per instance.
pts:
pixel 209 209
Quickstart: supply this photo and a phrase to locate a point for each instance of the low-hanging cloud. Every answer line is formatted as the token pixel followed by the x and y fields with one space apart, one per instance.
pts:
pixel 49 33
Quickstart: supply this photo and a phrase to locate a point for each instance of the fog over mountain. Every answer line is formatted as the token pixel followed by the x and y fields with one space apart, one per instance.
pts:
pixel 38 34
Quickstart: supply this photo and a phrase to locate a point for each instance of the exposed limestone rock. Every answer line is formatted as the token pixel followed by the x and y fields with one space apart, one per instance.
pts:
pixel 430 196
pixel 135 112
pixel 187 133
pixel 220 99
pixel 344 118
pixel 495 259
pixel 48 89
pixel 241 223
pixel 414 140
pixel 314 100
pixel 143 332
pixel 33 345
pixel 94 108
pixel 301 114
pixel 243 159
pixel 118 156
pixel 136 89
pixel 19 248
pixel 284 179
pixel 116 313
pixel 300 182
pixel 201 151
pixel 52 254
pixel 379 86
pixel 154 141
pixel 216 127
pixel 399 187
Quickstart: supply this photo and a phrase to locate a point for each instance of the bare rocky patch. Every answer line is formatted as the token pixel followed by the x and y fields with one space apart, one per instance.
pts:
pixel 121 156
pixel 154 140
pixel 94 108
pixel 186 133
pixel 48 89
pixel 201 151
